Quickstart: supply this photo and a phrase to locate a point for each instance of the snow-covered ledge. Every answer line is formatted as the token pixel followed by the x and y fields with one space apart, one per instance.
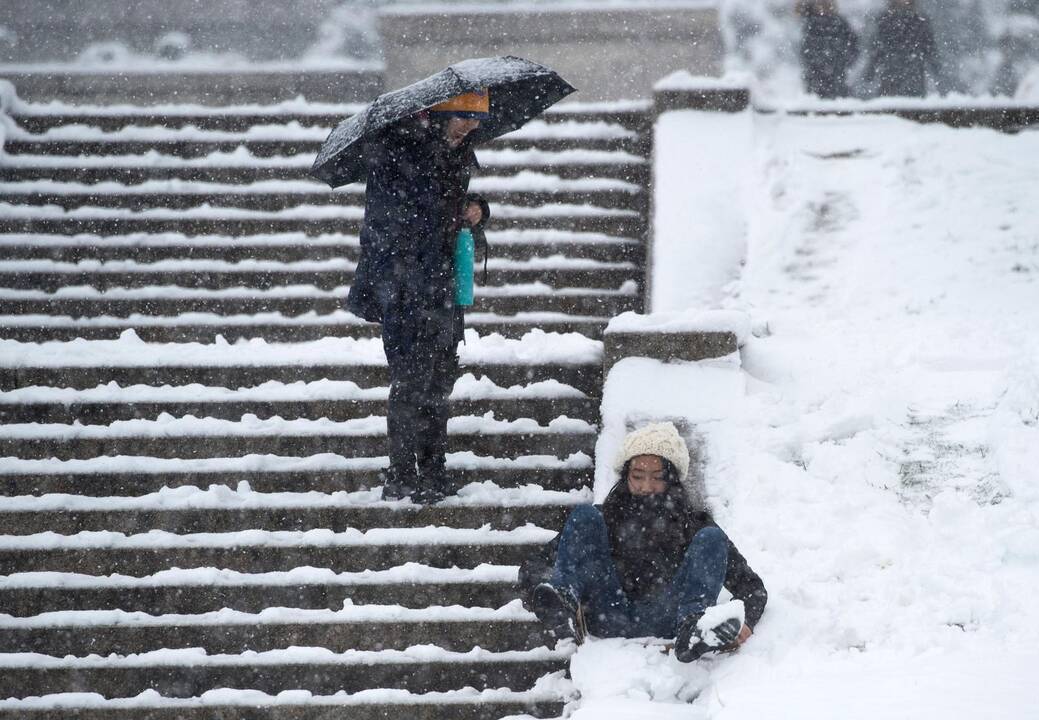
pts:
pixel 682 90
pixel 687 335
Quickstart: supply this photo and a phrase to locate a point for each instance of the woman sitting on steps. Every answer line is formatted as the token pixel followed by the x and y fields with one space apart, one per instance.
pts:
pixel 646 563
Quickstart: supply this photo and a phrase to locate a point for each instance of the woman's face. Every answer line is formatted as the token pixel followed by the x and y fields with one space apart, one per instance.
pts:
pixel 646 475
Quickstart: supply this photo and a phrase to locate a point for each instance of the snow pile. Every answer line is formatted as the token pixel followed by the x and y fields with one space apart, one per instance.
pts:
pixel 632 679
pixel 874 453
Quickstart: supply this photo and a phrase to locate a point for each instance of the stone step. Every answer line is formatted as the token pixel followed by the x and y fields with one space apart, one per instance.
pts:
pixel 234 119
pixel 214 590
pixel 274 200
pixel 262 83
pixel 502 445
pixel 192 224
pixel 500 705
pixel 585 377
pixel 295 247
pixel 637 173
pixel 140 476
pixel 350 672
pixel 120 407
pixel 46 276
pixel 395 631
pixel 590 302
pixel 284 147
pixel 190 328
pixel 19 554
pixel 140 517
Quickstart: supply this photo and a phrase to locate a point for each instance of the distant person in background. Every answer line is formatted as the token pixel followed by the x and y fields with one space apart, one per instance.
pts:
pixel 903 52
pixel 828 49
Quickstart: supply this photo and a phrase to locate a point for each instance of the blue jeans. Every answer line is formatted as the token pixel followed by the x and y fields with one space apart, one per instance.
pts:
pixel 585 566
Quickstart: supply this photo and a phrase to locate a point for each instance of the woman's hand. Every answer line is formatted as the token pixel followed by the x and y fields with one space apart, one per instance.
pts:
pixel 745 633
pixel 473 214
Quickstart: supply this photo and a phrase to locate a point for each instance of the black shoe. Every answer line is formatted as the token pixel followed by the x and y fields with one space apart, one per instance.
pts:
pixel 693 643
pixel 394 488
pixel 430 494
pixel 559 611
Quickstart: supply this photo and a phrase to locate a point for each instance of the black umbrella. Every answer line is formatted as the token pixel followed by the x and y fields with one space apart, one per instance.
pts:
pixel 519 90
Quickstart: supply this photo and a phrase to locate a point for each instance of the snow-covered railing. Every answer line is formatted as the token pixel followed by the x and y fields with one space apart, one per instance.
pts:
pixel 674 336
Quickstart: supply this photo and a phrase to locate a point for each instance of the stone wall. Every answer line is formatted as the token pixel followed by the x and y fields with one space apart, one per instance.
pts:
pixel 607 54
pixel 59 30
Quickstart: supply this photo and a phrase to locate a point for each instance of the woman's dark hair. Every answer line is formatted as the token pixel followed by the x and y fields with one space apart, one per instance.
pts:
pixel 679 499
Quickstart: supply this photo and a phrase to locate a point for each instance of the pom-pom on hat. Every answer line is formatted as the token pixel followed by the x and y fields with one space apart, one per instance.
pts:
pixel 655 439
pixel 475 104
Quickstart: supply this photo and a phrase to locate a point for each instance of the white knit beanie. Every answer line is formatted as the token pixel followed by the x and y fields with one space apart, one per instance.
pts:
pixel 655 439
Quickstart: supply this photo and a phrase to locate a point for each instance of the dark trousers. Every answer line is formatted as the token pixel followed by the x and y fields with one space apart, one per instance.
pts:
pixel 585 566
pixel 423 366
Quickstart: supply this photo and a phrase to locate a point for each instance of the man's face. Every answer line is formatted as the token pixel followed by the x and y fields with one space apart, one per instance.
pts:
pixel 457 128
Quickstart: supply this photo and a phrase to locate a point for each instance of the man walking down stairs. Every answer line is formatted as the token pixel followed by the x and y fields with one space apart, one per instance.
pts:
pixel 192 429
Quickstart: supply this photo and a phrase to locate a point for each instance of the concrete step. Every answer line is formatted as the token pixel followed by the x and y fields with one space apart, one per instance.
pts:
pixel 190 328
pixel 571 301
pixel 139 517
pixel 47 276
pixel 284 147
pixel 235 119
pixel 585 377
pixel 274 200
pixel 542 410
pixel 502 445
pixel 350 672
pixel 495 707
pixel 618 226
pixel 127 174
pixel 19 554
pixel 136 476
pixel 295 247
pixel 397 630
pixel 213 590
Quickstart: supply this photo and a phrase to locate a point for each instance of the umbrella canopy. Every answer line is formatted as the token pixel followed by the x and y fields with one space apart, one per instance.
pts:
pixel 519 90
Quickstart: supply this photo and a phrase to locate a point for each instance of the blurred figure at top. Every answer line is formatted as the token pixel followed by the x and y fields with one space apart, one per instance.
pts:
pixel 828 49
pixel 903 52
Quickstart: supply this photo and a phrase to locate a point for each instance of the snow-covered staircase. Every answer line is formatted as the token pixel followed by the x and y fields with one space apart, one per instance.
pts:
pixel 185 511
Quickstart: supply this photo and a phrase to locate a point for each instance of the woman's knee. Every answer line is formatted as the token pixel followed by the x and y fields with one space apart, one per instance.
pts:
pixel 712 540
pixel 586 517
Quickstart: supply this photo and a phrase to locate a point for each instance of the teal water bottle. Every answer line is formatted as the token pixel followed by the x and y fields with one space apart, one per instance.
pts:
pixel 465 258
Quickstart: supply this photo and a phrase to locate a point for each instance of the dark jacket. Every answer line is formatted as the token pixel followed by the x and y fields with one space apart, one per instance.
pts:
pixel 828 48
pixel 415 196
pixel 648 544
pixel 903 51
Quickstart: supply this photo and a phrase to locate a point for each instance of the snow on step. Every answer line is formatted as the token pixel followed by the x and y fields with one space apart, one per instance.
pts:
pixel 311 318
pixel 319 538
pixel 197 657
pixel 253 463
pixel 512 612
pixel 406 574
pixel 294 131
pixel 549 689
pixel 467 387
pixel 287 239
pixel 220 497
pixel 186 265
pixel 168 426
pixel 172 292
pixel 298 106
pixel 525 181
pixel 242 157
pixel 297 212
pixel 535 347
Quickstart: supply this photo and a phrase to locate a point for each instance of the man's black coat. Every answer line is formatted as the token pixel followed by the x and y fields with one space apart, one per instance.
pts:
pixel 903 52
pixel 828 48
pixel 414 200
